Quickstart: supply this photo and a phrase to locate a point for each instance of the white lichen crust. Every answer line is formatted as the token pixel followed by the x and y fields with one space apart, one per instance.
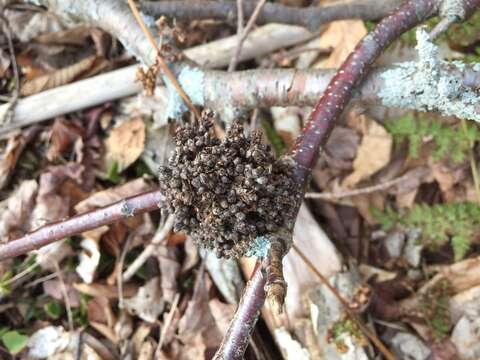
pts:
pixel 430 84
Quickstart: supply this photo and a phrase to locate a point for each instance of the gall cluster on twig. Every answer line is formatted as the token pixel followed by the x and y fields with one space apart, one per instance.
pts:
pixel 227 193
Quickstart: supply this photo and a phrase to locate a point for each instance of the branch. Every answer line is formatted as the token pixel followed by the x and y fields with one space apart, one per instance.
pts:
pixel 78 224
pixel 338 94
pixel 120 83
pixel 236 339
pixel 230 93
pixel 404 85
pixel 311 18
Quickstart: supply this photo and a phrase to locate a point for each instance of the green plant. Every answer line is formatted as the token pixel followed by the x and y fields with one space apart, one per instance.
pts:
pixel 14 341
pixel 439 224
pixel 435 307
pixel 340 328
pixel 449 141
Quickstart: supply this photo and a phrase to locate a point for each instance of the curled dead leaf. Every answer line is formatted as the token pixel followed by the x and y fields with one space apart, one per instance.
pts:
pixel 125 143
pixel 89 257
pixel 57 78
pixel 373 153
pixel 148 303
pixel 111 195
pixel 15 218
pixel 63 136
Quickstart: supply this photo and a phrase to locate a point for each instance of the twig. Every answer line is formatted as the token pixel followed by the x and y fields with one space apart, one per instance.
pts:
pixel 80 223
pixel 369 189
pixel 244 33
pixel 240 17
pixel 120 263
pixel 8 115
pixel 21 274
pixel 159 237
pixel 168 322
pixel 312 17
pixel 236 339
pixel 160 60
pixel 346 306
pixel 64 291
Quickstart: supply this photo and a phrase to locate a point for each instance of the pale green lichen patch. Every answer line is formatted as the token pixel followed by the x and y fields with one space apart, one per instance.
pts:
pixel 429 84
pixel 191 79
pixel 259 247
pixel 453 9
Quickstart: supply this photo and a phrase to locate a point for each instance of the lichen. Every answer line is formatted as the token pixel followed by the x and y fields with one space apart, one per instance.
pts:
pixel 453 10
pixel 259 247
pixel 191 79
pixel 429 84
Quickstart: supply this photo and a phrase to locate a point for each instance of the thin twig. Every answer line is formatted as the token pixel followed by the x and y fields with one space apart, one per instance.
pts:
pixel 64 291
pixel 161 62
pixel 159 237
pixel 244 34
pixel 240 18
pixel 346 306
pixel 21 274
pixel 441 27
pixel 80 223
pixel 168 322
pixel 312 17
pixel 121 261
pixel 8 116
pixel 369 189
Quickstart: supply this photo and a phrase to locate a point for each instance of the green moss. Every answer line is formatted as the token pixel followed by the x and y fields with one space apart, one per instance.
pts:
pixel 345 326
pixel 449 141
pixel 453 223
pixel 434 305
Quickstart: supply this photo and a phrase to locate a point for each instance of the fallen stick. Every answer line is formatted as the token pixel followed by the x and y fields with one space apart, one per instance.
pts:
pixel 78 224
pixel 121 83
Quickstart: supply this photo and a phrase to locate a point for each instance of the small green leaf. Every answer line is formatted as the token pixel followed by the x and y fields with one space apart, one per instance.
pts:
pixel 14 341
pixel 53 309
pixel 113 174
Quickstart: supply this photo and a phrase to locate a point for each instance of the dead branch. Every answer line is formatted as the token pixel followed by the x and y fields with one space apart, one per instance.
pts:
pixel 229 93
pixel 121 83
pixel 78 224
pixel 311 18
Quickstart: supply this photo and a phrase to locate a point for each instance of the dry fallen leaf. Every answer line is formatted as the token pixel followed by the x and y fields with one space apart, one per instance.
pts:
pixel 373 153
pixel 55 289
pixel 14 219
pixel 125 143
pixel 111 292
pixel 89 257
pixel 169 270
pixel 57 78
pixel 111 195
pixel 13 150
pixel 4 62
pixel 342 37
pixel 53 205
pixel 148 303
pixel 26 25
pixel 198 319
pixel 63 136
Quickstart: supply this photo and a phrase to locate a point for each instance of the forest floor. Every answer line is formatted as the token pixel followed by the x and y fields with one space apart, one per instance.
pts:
pixel 391 217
